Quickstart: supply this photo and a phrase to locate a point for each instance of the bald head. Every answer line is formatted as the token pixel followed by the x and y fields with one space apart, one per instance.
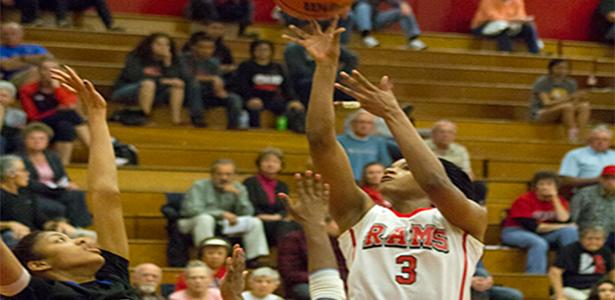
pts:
pixel 147 276
pixel 443 133
pixel 600 138
pixel 12 34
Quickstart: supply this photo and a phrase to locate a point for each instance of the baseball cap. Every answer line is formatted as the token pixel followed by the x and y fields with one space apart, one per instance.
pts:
pixel 608 171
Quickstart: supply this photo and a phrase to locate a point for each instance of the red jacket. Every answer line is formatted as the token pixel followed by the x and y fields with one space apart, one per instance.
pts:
pixel 27 93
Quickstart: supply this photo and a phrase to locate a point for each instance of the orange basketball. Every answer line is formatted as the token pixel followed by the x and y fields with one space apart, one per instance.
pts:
pixel 314 9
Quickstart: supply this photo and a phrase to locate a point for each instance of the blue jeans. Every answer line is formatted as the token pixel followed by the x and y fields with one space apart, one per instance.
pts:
pixel 528 33
pixel 498 293
pixel 537 245
pixel 363 13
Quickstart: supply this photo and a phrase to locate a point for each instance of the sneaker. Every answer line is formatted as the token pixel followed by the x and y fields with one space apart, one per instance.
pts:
pixel 416 44
pixel 540 44
pixel 370 42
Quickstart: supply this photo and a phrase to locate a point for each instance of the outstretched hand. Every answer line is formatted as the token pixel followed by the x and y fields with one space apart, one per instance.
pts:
pixel 93 100
pixel 313 196
pixel 378 100
pixel 324 47
pixel 233 282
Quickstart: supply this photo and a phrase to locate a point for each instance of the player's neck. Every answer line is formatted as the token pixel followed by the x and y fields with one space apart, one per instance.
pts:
pixel 408 206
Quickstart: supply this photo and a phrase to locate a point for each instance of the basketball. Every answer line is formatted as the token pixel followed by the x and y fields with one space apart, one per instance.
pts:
pixel 314 9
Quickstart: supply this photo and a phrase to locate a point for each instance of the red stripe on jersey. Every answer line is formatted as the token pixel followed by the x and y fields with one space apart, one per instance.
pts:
pixel 465 266
pixel 354 242
pixel 416 211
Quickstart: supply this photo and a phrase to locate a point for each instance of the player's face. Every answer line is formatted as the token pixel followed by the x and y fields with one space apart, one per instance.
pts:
pixel 399 183
pixel 600 141
pixel 373 174
pixel 606 291
pixel 262 286
pixel 214 256
pixel 37 141
pixel 204 49
pixel 270 165
pixel 198 280
pixel 62 253
pixel 593 241
pixel 223 175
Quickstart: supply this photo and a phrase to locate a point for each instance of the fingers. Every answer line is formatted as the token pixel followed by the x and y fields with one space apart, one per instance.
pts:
pixel 298 31
pixel 333 26
pixel 385 83
pixel 315 27
pixel 362 80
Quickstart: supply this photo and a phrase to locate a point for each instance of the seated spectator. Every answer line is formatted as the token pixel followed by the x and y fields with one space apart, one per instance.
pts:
pixel 12 120
pixel 224 200
pixel 146 280
pixel 580 265
pixel 240 11
pixel 201 63
pixel 361 145
pixel 59 197
pixel 370 181
pixel 30 8
pixel 263 190
pixel 262 282
pixel 17 60
pixel 603 290
pixel 198 281
pixel 504 20
pixel 367 16
pixel 263 84
pixel 483 289
pixel 582 166
pixel 537 219
pixel 213 252
pixel 48 102
pixel 555 98
pixel 152 72
pixel 607 9
pixel 595 205
pixel 293 260
pixel 215 30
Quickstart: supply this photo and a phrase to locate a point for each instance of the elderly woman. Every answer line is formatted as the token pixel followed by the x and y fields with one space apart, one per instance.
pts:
pixel 198 281
pixel 263 189
pixel 48 180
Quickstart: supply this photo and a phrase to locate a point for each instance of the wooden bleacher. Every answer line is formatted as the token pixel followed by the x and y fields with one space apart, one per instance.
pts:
pixel 459 77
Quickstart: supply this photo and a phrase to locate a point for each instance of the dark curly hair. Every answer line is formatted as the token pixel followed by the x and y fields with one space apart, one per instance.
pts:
pixel 144 49
pixel 257 43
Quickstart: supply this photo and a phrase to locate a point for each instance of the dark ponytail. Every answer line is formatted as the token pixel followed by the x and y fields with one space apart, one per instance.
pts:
pixel 24 251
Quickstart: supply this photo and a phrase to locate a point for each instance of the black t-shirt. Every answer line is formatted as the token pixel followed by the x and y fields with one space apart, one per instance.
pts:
pixel 22 208
pixel 223 53
pixel 582 269
pixel 112 283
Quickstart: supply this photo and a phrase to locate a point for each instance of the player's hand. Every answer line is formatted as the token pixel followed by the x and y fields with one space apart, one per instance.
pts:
pixel 93 100
pixel 233 283
pixel 313 194
pixel 378 100
pixel 323 47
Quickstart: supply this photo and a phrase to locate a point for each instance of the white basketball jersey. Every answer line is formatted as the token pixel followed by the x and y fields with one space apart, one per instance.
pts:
pixel 393 256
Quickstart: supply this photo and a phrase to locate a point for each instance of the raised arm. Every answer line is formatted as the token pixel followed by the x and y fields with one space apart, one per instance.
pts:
pixel 12 273
pixel 348 203
pixel 424 165
pixel 102 173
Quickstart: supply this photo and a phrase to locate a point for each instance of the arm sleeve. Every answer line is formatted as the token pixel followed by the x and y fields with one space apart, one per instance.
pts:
pixel 195 200
pixel 528 223
pixel 569 166
pixel 27 103
pixel 245 207
pixel 481 271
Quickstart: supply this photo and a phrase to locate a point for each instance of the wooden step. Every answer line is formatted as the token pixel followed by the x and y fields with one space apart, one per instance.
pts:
pixel 532 286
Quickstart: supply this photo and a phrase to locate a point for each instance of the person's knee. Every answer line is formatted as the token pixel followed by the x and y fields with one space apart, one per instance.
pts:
pixel 566 108
pixel 204 219
pixel 147 84
pixel 584 106
pixel 539 244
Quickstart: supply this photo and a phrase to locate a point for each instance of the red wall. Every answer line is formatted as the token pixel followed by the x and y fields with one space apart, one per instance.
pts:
pixel 557 19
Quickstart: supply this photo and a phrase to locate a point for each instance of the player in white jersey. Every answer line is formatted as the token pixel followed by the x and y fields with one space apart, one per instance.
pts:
pixel 411 251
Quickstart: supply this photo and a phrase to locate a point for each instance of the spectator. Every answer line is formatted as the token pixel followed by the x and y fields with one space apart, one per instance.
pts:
pixel 146 280
pixel 263 84
pixel 538 218
pixel 11 119
pixel 580 265
pixel 263 189
pixel 59 197
pixel 17 60
pixel 48 102
pixel 555 97
pixel 361 145
pixel 370 180
pixel 595 205
pixel 262 283
pixel 603 290
pixel 215 30
pixel 607 9
pixel 293 260
pixel 213 252
pixel 29 11
pixel 483 288
pixel 222 199
pixel 198 280
pixel 582 166
pixel 503 20
pixel 366 12
pixel 153 72
pixel 240 11
pixel 201 63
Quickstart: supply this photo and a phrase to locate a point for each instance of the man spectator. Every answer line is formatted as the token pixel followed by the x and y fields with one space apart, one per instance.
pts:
pixel 607 9
pixel 483 288
pixel 582 166
pixel 146 280
pixel 595 205
pixel 223 200
pixel 17 60
pixel 580 265
pixel 361 145
pixel 503 20
pixel 293 260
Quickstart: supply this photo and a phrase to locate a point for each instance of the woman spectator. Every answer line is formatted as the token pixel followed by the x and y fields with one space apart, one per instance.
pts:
pixel 539 218
pixel 152 73
pixel 603 290
pixel 48 180
pixel 198 284
pixel 370 180
pixel 263 84
pixel 263 189
pixel 48 102
pixel 555 97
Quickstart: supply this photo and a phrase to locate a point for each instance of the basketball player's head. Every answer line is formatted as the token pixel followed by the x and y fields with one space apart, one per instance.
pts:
pixel 222 172
pixel 593 238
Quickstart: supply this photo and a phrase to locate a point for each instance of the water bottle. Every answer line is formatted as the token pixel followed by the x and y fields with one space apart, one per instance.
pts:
pixel 281 123
pixel 244 120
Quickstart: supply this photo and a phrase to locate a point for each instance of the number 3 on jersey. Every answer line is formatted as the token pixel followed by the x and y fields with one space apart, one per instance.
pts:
pixel 408 269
